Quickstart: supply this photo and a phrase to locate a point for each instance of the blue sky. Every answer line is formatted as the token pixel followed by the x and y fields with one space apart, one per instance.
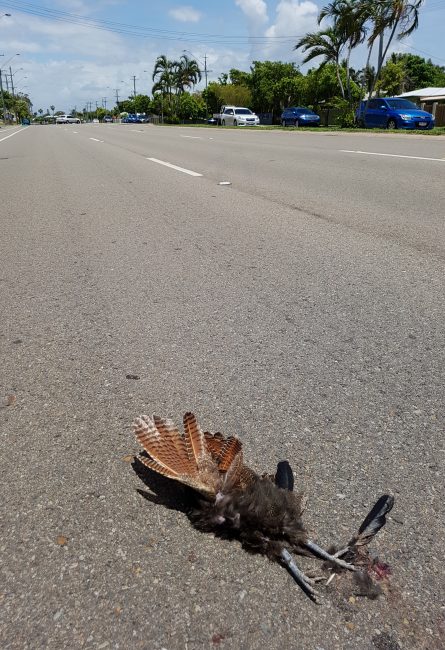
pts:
pixel 68 61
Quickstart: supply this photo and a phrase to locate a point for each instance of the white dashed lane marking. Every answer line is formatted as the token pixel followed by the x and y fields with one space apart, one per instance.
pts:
pixel 15 133
pixel 392 155
pixel 179 169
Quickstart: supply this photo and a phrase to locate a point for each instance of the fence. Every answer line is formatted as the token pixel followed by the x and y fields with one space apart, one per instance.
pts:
pixel 440 115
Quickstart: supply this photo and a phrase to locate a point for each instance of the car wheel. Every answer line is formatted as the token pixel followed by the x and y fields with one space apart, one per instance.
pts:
pixel 283 123
pixel 223 122
pixel 392 124
pixel 296 123
pixel 235 123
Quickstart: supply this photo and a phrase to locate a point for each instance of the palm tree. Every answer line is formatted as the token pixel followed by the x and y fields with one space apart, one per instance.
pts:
pixel 188 73
pixel 327 43
pixel 163 72
pixel 164 78
pixel 349 18
pixel 53 108
pixel 400 17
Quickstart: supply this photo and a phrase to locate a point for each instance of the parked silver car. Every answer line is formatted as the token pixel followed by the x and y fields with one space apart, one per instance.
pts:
pixel 238 116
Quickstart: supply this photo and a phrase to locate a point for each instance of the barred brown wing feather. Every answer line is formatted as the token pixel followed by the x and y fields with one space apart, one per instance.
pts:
pixel 197 483
pixel 174 439
pixel 214 444
pixel 162 449
pixel 231 477
pixel 193 437
pixel 231 447
pixel 157 467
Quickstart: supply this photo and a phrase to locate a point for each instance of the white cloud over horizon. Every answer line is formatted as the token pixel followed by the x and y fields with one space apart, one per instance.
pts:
pixel 185 14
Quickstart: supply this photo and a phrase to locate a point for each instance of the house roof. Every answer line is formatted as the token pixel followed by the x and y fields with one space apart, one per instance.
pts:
pixel 430 93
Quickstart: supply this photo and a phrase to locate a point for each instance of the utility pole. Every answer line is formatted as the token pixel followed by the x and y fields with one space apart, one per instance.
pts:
pixel 13 98
pixel 3 97
pixel 134 90
pixel 116 90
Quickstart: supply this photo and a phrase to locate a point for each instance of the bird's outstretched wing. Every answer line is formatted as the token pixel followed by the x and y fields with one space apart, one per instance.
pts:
pixel 200 460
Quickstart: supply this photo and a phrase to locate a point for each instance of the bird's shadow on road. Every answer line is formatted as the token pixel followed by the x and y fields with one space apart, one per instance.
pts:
pixel 164 491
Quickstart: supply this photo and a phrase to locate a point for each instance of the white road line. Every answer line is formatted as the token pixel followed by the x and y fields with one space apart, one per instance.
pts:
pixel 192 137
pixel 179 169
pixel 392 155
pixel 96 140
pixel 15 133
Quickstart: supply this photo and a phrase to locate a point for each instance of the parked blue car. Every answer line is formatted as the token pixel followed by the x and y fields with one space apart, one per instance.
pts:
pixel 393 113
pixel 130 119
pixel 299 116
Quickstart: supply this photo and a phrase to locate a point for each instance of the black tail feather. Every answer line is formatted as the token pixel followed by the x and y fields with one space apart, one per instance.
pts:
pixel 284 477
pixel 374 521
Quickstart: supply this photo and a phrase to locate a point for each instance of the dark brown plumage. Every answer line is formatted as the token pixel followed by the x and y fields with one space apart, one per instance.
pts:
pixel 263 512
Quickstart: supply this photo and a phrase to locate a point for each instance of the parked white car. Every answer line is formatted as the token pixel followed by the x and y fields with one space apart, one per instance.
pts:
pixel 238 116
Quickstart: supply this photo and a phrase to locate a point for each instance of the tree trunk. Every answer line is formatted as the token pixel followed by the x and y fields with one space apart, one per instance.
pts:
pixel 340 83
pixel 380 62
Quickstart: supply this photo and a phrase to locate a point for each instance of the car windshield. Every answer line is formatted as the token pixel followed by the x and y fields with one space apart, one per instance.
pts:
pixel 401 103
pixel 243 111
pixel 305 110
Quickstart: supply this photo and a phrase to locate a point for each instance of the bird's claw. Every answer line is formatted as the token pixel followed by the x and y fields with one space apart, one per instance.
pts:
pixel 324 555
pixel 305 582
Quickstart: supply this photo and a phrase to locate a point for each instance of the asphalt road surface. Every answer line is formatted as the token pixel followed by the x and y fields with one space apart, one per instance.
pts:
pixel 300 307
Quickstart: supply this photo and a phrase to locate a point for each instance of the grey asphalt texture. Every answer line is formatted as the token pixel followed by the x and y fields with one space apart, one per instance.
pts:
pixel 301 308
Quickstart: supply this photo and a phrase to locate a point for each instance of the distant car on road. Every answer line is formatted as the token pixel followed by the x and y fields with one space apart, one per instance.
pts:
pixel 135 118
pixel 107 118
pixel 299 116
pixel 26 121
pixel 393 113
pixel 67 119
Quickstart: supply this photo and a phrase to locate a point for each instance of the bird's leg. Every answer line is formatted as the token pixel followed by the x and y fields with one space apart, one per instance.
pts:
pixel 324 555
pixel 300 578
pixel 342 551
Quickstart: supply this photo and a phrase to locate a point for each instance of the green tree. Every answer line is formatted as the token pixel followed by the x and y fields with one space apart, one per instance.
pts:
pixel 52 109
pixel 349 19
pixel 328 44
pixel 187 73
pixel 269 90
pixel 240 77
pixel 392 78
pixel 395 18
pixel 142 103
pixel 419 72
pixel 190 107
pixel 164 76
pixel 127 106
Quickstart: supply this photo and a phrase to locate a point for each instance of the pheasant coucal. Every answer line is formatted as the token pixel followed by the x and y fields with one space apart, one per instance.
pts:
pixel 263 512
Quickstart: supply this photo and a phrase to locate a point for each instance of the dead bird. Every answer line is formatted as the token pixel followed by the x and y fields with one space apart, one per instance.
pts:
pixel 263 512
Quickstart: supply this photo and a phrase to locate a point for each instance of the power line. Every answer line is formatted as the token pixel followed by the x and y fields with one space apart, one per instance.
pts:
pixel 140 31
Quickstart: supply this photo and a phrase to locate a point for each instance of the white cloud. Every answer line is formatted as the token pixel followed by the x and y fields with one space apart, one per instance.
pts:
pixel 185 14
pixel 293 19
pixel 255 11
